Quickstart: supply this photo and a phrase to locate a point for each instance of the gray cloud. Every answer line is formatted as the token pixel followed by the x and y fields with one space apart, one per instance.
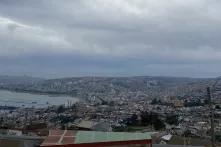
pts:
pixel 166 35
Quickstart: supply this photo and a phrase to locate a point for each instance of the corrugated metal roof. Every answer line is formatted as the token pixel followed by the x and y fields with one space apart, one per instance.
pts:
pixel 86 124
pixel 93 136
pixel 61 137
pixel 167 137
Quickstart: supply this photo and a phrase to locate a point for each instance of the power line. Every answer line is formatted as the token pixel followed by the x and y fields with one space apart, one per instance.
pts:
pixel 211 117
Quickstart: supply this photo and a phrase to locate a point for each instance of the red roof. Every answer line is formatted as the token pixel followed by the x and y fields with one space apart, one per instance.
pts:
pixel 71 138
pixel 58 137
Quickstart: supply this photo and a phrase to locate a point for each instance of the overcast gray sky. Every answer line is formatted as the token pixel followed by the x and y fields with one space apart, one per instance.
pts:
pixel 57 38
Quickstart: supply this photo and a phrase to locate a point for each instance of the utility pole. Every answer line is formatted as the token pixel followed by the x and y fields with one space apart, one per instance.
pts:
pixel 211 116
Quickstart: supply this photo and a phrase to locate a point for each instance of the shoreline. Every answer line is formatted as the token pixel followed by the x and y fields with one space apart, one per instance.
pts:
pixel 19 98
pixel 51 94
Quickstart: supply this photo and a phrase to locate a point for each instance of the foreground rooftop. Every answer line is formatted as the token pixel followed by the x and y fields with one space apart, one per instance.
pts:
pixel 68 137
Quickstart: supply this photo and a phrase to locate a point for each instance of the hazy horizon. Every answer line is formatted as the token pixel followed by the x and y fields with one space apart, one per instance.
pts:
pixel 102 76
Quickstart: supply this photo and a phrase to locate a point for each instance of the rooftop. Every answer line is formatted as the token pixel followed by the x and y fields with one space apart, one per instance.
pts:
pixel 61 137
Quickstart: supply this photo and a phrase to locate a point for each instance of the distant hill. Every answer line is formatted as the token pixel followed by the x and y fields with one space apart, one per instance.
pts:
pixel 111 87
pixel 13 82
pixel 5 78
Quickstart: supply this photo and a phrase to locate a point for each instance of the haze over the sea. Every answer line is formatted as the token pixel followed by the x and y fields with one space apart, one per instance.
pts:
pixel 8 98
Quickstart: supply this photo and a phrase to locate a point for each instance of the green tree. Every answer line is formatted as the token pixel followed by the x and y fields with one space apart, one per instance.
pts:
pixel 60 109
pixel 172 119
pixel 158 124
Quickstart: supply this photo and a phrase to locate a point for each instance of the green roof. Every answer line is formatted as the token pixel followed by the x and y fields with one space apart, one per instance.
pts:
pixel 93 136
